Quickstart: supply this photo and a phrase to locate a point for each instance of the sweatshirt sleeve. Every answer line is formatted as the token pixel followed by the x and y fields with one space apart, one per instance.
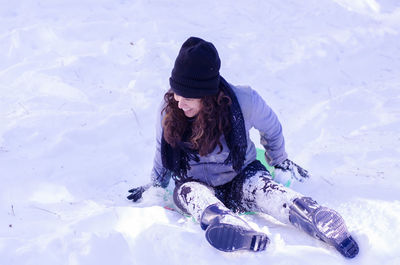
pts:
pixel 160 176
pixel 271 137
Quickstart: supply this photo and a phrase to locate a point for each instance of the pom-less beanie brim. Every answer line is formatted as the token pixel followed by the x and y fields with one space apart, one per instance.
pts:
pixel 194 89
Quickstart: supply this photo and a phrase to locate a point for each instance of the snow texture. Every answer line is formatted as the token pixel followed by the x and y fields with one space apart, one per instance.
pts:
pixel 80 82
pixel 269 197
pixel 195 197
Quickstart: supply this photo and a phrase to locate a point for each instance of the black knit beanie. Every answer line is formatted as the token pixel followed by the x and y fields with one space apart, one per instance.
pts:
pixel 196 69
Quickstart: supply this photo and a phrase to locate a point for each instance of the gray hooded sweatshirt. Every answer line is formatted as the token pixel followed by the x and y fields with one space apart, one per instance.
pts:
pixel 211 168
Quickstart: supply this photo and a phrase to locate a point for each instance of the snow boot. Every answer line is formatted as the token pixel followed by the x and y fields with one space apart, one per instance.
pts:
pixel 228 232
pixel 324 224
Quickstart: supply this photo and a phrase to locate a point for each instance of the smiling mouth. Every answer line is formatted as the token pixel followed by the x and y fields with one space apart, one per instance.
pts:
pixel 188 113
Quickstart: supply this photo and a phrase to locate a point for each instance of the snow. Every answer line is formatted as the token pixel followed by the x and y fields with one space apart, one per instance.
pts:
pixel 80 82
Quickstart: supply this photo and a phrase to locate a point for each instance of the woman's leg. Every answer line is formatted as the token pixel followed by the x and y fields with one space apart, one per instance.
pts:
pixel 261 193
pixel 224 230
pixel 193 198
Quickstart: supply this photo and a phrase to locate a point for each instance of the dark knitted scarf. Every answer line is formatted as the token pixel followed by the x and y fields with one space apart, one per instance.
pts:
pixel 177 159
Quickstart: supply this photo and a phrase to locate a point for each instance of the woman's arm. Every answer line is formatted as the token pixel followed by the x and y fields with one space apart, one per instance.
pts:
pixel 266 122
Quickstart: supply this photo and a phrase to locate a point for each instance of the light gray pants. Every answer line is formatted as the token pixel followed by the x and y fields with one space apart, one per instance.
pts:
pixel 249 192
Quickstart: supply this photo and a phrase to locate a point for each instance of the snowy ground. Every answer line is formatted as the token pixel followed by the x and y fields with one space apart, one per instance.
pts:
pixel 79 85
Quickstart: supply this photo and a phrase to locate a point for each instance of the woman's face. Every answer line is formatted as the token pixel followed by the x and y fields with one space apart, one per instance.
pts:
pixel 190 106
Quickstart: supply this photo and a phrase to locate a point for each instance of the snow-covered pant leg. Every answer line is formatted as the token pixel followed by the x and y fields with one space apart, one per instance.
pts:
pixel 262 194
pixel 224 230
pixel 194 197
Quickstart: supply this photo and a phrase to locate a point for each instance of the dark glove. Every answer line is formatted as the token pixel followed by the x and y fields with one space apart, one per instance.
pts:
pixel 136 193
pixel 296 172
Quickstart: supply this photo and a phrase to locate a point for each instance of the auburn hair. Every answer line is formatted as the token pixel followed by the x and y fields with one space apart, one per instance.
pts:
pixel 208 125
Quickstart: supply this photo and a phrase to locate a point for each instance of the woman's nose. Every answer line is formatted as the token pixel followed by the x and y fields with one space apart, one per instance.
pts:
pixel 181 104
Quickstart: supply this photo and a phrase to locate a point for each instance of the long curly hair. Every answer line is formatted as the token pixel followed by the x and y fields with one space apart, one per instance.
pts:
pixel 210 123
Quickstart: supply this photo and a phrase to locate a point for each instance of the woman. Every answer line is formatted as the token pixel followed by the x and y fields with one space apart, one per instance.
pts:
pixel 203 144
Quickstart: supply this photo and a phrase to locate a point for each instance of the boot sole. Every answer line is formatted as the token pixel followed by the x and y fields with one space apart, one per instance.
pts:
pixel 332 230
pixel 228 238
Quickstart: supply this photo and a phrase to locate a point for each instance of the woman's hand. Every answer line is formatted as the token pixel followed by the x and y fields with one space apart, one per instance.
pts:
pixel 136 193
pixel 296 172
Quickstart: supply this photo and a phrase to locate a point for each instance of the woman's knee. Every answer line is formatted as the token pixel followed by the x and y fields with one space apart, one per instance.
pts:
pixel 192 192
pixel 183 189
